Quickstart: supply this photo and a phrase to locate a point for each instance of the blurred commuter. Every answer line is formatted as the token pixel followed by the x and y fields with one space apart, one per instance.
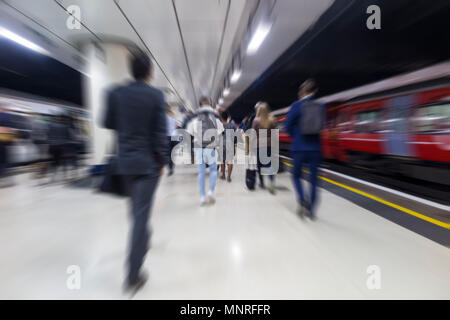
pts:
pixel 186 120
pixel 74 145
pixel 171 127
pixel 7 137
pixel 137 111
pixel 206 128
pixel 229 147
pixel 250 144
pixel 248 120
pixel 264 121
pixel 242 124
pixel 58 138
pixel 39 136
pixel 301 124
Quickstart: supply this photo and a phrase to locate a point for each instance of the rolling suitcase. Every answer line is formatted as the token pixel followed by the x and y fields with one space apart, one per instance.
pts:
pixel 250 179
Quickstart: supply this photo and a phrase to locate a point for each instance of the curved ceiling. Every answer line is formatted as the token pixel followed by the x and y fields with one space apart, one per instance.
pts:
pixel 191 41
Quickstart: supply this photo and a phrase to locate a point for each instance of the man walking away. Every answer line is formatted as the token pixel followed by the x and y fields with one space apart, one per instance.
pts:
pixel 137 112
pixel 206 129
pixel 304 122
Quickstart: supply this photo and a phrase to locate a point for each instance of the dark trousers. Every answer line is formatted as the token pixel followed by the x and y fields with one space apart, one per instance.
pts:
pixel 311 159
pixel 142 189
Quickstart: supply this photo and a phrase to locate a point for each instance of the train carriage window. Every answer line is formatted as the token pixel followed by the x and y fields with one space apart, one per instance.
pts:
pixel 431 119
pixel 366 121
pixel 343 121
pixel 384 121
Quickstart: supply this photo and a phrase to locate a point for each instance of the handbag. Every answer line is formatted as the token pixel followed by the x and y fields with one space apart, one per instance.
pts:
pixel 112 182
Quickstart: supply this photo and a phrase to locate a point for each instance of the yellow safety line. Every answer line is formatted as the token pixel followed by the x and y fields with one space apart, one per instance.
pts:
pixel 393 205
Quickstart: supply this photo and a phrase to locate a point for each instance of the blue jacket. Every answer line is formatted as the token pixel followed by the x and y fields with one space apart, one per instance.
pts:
pixel 292 126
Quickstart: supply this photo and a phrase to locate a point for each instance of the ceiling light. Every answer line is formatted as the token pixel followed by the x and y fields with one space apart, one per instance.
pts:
pixel 220 100
pixel 226 92
pixel 22 41
pixel 258 37
pixel 235 76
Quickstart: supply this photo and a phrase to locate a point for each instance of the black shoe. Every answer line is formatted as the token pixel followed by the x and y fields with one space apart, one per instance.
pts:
pixel 170 173
pixel 133 286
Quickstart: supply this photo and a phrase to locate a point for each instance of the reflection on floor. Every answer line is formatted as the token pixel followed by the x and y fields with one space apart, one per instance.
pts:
pixel 250 245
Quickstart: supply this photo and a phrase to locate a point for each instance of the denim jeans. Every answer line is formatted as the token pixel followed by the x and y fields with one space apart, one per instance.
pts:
pixel 203 157
pixel 312 160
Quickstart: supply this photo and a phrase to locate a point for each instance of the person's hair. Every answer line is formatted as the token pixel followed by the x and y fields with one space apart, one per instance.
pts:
pixel 264 116
pixel 205 100
pixel 140 65
pixel 308 86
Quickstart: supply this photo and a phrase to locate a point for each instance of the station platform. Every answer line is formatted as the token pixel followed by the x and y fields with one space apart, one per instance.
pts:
pixel 249 245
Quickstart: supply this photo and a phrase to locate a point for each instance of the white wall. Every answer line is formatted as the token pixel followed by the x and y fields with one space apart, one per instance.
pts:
pixel 107 66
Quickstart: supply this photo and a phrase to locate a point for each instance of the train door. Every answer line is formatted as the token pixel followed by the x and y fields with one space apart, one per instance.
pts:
pixel 397 136
pixel 328 134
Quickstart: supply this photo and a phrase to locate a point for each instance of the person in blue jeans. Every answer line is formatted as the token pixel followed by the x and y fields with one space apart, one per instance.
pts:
pixel 202 158
pixel 206 124
pixel 305 150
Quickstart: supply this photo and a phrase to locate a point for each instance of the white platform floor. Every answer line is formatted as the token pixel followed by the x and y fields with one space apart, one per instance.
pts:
pixel 250 245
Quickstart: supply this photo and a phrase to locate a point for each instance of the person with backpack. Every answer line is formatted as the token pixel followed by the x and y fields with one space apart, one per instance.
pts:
pixel 206 128
pixel 304 122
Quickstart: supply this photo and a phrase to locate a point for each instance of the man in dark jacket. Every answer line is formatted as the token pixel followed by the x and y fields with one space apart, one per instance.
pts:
pixel 137 112
pixel 305 149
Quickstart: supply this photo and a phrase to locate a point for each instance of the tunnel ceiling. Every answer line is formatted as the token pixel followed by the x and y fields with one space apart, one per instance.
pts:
pixel 340 52
pixel 192 42
pixel 183 37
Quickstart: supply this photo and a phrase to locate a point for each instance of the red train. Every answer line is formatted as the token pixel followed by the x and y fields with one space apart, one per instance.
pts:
pixel 403 132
